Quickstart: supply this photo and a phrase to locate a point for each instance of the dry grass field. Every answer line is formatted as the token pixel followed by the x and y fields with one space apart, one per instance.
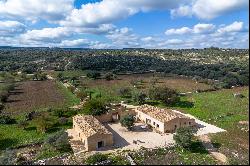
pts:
pixel 181 84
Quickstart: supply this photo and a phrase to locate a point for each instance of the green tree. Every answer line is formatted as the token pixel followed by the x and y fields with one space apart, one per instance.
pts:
pixel 128 121
pixel 95 107
pixel 183 136
pixel 44 122
pixel 164 94
pixel 140 98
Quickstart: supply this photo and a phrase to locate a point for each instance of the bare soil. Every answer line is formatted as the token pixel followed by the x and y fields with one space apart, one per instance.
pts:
pixel 33 95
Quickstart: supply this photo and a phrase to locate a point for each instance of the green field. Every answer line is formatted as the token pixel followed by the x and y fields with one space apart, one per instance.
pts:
pixel 70 98
pixel 222 109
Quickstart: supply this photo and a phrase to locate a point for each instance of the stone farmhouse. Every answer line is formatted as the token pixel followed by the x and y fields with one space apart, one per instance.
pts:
pixel 162 120
pixel 94 135
pixel 91 132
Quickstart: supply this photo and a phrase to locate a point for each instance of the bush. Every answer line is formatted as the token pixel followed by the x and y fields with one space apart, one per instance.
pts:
pixel 23 124
pixel 44 122
pixel 109 76
pixel 58 112
pixel 81 95
pixel 164 94
pixel 183 136
pixel 63 120
pixel 125 92
pixel 128 121
pixel 4 96
pixel 5 119
pixel 140 98
pixel 96 158
pixel 95 107
pixel 93 75
pixel 58 141
pixel 31 115
pixel 1 106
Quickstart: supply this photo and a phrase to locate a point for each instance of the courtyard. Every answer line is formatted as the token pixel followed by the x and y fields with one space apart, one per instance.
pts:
pixel 137 137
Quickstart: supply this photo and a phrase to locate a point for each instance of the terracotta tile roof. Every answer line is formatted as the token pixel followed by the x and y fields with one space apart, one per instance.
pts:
pixel 163 115
pixel 90 125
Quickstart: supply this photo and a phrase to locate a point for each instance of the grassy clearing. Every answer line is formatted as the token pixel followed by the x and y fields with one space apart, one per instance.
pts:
pixel 222 109
pixel 12 136
pixel 70 98
pixel 145 81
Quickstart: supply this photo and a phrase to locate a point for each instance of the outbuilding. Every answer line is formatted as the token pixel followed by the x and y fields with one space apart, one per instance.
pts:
pixel 91 132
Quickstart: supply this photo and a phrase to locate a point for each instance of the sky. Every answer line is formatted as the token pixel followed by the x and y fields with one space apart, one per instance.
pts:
pixel 115 24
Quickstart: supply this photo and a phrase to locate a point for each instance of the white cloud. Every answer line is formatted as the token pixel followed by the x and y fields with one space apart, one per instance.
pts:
pixel 46 35
pixel 123 37
pixel 107 11
pixel 33 10
pixel 11 28
pixel 147 39
pixel 197 29
pixel 234 27
pixel 181 11
pixel 74 43
pixel 208 9
pixel 180 31
pixel 203 28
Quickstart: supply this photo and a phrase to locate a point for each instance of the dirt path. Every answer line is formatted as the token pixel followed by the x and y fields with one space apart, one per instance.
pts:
pixel 206 142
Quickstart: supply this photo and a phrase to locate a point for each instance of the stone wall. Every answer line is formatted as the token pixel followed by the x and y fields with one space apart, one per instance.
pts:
pixel 105 118
pixel 92 142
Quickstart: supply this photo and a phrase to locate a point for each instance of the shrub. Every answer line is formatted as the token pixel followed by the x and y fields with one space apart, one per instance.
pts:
pixel 96 158
pixel 125 92
pixel 93 75
pixel 95 107
pixel 109 76
pixel 128 121
pixel 63 120
pixel 44 122
pixel 140 98
pixel 1 106
pixel 5 119
pixel 58 141
pixel 81 95
pixel 58 112
pixel 31 115
pixel 183 136
pixel 164 94
pixel 4 96
pixel 23 124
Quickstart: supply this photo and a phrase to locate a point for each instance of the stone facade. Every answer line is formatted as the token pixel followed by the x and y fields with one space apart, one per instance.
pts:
pixel 162 120
pixel 91 132
pixel 115 114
